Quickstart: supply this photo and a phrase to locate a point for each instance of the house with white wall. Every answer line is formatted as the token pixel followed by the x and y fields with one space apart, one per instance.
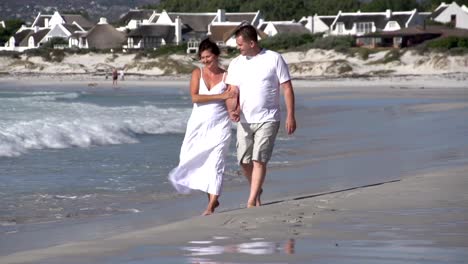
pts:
pixel 361 23
pixel 317 24
pixel 452 14
pixel 46 27
pixel 186 27
pixel 272 28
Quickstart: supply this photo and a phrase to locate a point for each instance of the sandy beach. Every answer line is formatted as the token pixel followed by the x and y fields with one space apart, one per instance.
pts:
pixel 414 214
pixel 420 218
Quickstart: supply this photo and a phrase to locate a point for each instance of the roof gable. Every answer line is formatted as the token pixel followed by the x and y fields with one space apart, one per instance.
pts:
pixel 139 15
pixel 196 22
pixel 78 19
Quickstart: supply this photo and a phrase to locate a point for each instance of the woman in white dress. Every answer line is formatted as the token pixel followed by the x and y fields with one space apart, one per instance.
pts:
pixel 208 134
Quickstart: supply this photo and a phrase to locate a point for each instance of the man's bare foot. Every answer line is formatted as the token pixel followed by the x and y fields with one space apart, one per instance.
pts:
pixel 258 201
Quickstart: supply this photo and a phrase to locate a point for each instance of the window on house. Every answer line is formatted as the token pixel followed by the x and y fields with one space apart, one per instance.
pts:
pixel 364 27
pixel 340 27
pixel 392 24
pixel 453 20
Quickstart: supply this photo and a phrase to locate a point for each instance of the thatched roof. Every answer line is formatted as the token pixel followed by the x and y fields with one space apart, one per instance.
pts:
pixel 105 36
pixel 38 36
pixel 225 32
pixel 142 14
pixel 21 35
pixel 380 20
pixel 291 28
pixel 166 32
pixel 79 19
pixel 194 22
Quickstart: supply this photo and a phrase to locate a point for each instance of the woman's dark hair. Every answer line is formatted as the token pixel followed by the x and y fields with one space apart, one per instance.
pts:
pixel 248 32
pixel 207 44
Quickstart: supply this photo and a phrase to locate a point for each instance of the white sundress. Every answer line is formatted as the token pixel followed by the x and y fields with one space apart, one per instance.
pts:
pixel 205 145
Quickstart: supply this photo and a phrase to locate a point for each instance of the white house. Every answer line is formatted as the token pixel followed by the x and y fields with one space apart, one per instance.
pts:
pixel 360 23
pixel 46 27
pixel 152 31
pixel 317 24
pixel 451 13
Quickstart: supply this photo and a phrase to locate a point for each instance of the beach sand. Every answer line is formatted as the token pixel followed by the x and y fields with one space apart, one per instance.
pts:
pixel 418 217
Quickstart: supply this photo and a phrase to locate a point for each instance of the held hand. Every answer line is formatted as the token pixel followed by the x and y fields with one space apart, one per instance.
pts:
pixel 228 94
pixel 290 125
pixel 234 116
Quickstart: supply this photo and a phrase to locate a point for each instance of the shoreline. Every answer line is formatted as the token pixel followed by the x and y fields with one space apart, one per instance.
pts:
pixel 423 81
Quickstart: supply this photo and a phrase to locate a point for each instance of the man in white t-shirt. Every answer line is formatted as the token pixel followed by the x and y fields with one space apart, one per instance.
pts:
pixel 257 74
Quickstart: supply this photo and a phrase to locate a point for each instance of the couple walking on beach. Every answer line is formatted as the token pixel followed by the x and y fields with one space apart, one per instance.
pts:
pixel 249 94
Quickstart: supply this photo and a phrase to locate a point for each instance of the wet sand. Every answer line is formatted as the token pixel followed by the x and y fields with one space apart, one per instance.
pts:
pixel 420 218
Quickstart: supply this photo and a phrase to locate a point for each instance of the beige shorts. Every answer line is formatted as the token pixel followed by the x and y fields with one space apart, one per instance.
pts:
pixel 256 141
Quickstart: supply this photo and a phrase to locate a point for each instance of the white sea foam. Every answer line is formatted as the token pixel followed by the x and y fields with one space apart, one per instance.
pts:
pixel 56 120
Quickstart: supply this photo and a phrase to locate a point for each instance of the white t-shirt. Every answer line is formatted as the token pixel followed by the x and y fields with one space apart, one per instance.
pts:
pixel 259 79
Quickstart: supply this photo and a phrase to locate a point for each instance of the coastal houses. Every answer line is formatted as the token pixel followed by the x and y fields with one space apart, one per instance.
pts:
pixel 150 29
pixel 360 23
pixel 46 27
pixel 408 37
pixel 451 14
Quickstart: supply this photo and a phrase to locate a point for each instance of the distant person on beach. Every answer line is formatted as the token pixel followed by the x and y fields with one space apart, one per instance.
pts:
pixel 121 73
pixel 208 134
pixel 115 75
pixel 257 74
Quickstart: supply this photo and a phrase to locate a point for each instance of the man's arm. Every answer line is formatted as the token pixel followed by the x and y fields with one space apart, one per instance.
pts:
pixel 290 107
pixel 232 104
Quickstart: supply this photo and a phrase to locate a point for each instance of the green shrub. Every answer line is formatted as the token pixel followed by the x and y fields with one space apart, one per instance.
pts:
pixel 166 50
pixel 392 55
pixel 337 43
pixel 288 41
pixel 458 51
pixel 363 53
pixel 57 55
pixel 444 43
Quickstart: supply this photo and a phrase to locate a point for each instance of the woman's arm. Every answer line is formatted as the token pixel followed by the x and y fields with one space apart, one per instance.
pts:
pixel 204 98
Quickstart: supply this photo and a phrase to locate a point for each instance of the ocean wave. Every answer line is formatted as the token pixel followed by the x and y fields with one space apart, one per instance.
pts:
pixel 45 123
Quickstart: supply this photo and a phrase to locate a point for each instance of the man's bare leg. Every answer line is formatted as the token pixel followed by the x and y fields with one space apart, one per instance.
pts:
pixel 255 174
pixel 212 204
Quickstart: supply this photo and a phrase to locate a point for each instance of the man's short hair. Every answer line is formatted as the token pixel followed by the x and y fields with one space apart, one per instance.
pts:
pixel 248 32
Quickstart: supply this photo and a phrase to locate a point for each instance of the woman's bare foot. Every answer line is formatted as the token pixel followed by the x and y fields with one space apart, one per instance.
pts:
pixel 210 209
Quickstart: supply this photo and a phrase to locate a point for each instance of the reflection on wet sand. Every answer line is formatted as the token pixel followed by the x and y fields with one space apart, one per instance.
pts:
pixel 253 247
